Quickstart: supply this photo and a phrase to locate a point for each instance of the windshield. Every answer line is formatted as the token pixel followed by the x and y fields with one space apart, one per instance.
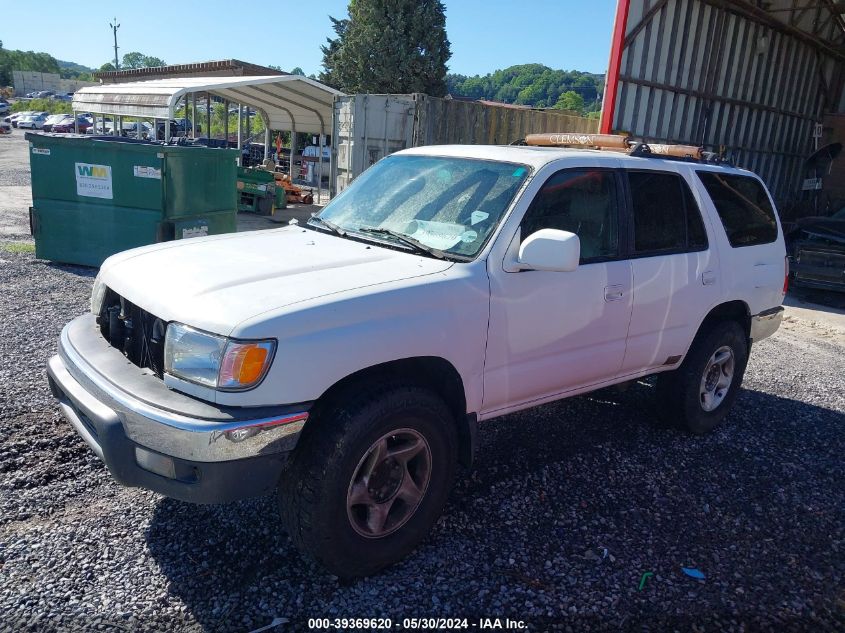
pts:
pixel 449 205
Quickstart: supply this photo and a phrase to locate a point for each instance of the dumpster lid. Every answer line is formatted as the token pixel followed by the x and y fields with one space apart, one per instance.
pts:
pixel 288 101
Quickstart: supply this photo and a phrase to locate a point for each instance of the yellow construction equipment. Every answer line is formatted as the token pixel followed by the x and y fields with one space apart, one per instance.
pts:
pixel 294 193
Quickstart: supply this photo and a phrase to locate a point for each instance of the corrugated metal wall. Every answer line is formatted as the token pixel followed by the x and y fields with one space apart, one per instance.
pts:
pixel 701 72
pixel 443 121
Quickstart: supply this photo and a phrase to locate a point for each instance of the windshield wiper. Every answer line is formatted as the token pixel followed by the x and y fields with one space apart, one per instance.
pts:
pixel 415 244
pixel 334 228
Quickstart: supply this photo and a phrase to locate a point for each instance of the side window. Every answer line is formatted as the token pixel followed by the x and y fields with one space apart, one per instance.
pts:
pixel 665 214
pixel 658 210
pixel 581 201
pixel 743 206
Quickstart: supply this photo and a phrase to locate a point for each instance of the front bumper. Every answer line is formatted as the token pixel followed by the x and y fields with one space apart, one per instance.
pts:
pixel 152 437
pixel 766 323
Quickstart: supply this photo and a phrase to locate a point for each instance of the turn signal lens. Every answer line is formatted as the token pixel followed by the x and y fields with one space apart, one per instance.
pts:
pixel 244 364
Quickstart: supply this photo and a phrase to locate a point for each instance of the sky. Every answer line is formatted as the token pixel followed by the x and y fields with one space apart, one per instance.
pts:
pixel 485 34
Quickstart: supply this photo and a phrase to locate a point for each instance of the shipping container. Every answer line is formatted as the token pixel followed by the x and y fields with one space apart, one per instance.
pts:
pixel 366 128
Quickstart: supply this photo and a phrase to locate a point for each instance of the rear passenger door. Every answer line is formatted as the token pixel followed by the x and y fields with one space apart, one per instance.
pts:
pixel 675 274
pixel 751 241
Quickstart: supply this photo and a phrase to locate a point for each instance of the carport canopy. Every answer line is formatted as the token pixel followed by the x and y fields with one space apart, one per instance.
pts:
pixel 286 102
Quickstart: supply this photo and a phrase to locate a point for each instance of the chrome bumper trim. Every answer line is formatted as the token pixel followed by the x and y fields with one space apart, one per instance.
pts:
pixel 163 431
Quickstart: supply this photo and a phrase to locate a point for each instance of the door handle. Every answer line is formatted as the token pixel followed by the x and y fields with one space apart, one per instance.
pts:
pixel 708 278
pixel 613 293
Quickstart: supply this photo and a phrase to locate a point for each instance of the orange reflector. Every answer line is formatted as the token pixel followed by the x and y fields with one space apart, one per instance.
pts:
pixel 243 365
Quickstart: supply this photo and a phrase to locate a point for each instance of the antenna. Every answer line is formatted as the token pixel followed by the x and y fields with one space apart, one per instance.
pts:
pixel 114 28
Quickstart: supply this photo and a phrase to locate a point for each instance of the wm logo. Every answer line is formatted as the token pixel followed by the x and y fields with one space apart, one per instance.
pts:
pixel 92 171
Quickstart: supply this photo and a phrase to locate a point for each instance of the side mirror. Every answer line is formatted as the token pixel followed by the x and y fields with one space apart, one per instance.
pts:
pixel 550 249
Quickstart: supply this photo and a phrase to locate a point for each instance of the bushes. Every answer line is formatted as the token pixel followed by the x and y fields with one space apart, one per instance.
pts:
pixel 42 105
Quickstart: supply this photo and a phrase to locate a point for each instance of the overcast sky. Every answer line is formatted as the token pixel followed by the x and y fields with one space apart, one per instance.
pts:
pixel 485 34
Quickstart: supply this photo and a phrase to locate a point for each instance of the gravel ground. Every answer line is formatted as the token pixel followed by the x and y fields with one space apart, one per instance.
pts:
pixel 569 505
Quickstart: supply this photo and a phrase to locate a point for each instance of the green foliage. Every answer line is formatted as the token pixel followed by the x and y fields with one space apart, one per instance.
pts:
pixel 329 75
pixel 107 67
pixel 389 46
pixel 42 105
pixel 139 60
pixel 570 100
pixel 529 84
pixel 218 119
pixel 71 70
pixel 297 71
pixel 24 60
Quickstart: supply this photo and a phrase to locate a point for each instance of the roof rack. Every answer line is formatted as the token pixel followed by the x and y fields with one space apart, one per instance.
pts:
pixel 626 145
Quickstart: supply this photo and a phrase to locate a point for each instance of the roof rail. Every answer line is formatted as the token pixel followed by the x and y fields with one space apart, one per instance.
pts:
pixel 624 144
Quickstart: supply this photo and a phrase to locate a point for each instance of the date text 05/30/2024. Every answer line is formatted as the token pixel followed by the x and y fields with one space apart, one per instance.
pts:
pixel 482 624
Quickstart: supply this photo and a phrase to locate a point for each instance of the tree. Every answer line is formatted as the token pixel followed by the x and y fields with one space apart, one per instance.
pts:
pixel 139 60
pixel 11 60
pixel 107 67
pixel 329 75
pixel 297 71
pixel 529 84
pixel 570 100
pixel 389 46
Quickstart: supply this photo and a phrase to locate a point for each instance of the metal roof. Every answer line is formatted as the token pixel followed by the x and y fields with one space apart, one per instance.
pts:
pixel 288 102
pixel 217 68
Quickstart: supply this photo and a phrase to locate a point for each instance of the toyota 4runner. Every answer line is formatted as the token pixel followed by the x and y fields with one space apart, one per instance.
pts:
pixel 346 362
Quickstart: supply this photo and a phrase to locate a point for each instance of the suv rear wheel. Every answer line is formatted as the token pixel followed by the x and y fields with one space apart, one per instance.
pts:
pixel 698 395
pixel 370 477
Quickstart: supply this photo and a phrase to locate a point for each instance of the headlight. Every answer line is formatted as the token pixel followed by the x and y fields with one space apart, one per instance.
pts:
pixel 97 294
pixel 216 361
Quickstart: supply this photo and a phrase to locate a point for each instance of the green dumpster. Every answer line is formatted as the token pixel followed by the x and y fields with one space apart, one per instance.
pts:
pixel 93 197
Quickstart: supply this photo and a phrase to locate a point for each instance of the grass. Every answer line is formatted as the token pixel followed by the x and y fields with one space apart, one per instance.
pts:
pixel 18 247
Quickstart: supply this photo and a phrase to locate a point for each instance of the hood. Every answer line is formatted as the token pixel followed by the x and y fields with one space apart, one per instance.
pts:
pixel 217 282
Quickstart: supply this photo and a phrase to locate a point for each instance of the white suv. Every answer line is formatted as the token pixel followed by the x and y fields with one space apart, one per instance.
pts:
pixel 346 363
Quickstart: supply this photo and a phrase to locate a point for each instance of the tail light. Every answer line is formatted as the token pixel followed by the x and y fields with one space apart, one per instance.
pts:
pixel 785 275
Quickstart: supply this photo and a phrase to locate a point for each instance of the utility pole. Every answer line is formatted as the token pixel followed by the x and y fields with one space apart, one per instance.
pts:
pixel 114 28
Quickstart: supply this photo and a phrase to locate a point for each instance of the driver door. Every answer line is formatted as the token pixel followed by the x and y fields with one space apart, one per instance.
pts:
pixel 555 332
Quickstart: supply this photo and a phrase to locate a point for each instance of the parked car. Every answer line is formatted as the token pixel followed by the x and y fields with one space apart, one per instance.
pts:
pixel 53 119
pixel 4 106
pixel 17 116
pixel 104 126
pixel 137 129
pixel 446 286
pixel 33 121
pixel 5 126
pixel 817 245
pixel 66 126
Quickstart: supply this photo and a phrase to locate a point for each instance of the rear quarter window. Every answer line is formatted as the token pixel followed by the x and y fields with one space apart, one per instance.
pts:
pixel 743 206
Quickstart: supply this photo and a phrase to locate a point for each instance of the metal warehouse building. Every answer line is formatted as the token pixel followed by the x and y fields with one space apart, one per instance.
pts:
pixel 754 77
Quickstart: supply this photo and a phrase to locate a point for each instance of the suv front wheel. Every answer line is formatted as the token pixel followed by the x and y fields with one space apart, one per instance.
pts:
pixel 699 394
pixel 370 477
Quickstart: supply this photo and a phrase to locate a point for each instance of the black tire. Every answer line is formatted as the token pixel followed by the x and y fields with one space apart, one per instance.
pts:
pixel 313 491
pixel 679 391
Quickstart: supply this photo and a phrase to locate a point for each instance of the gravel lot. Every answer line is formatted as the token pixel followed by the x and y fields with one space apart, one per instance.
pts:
pixel 568 506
